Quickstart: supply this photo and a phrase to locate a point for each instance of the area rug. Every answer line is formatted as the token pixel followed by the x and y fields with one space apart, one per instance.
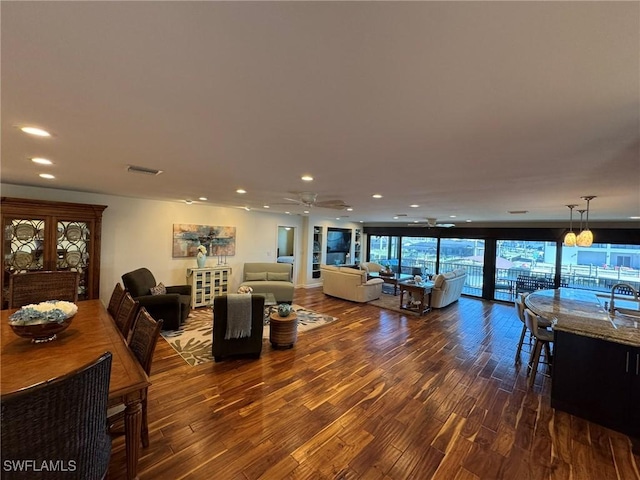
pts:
pixel 391 302
pixel 193 340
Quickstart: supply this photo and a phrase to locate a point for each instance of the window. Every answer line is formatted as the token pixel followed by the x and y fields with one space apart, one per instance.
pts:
pixel 600 268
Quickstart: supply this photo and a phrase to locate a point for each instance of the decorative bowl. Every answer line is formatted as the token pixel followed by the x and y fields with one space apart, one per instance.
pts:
pixel 284 310
pixel 43 321
pixel 41 332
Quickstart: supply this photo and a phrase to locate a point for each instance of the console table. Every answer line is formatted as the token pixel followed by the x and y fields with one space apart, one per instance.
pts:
pixel 206 283
pixel 416 290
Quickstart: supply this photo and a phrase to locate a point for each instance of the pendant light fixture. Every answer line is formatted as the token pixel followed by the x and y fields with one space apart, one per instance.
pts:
pixel 570 237
pixel 585 237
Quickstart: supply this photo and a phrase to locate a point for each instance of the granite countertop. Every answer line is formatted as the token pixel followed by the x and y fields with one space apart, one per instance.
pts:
pixel 580 312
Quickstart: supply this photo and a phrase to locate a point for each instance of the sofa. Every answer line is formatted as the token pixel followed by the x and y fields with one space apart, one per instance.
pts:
pixel 266 277
pixel 447 287
pixel 350 284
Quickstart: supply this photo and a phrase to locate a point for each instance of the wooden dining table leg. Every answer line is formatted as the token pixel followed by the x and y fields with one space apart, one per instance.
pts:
pixel 132 431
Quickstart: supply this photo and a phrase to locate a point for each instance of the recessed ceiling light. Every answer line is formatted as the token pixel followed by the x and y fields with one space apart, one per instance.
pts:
pixel 42 161
pixel 204 199
pixel 468 221
pixel 307 178
pixel 634 218
pixel 376 195
pixel 241 190
pixel 349 209
pixel 306 211
pixel 414 206
pixel 35 131
pixel 396 217
pixel 361 221
pixel 452 216
pixel 337 218
pixel 288 213
pixel 266 206
pixel 48 176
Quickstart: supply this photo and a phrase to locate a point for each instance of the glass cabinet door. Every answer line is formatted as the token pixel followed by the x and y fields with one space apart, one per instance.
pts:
pixel 72 250
pixel 24 245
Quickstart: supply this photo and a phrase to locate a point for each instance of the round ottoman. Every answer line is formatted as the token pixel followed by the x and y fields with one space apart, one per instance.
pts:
pixel 283 331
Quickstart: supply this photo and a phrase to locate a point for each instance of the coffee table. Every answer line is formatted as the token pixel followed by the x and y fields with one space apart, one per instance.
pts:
pixel 269 299
pixel 390 279
pixel 420 291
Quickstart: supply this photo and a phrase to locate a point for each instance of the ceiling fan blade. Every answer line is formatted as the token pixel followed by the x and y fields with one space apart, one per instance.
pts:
pixel 296 200
pixel 334 204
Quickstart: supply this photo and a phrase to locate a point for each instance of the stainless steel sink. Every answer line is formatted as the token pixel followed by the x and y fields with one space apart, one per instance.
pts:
pixel 623 306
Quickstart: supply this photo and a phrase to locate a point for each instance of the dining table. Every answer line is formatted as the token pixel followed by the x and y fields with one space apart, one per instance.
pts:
pixel 91 333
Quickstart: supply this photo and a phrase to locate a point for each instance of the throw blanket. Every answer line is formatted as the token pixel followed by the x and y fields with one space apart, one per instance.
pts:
pixel 238 315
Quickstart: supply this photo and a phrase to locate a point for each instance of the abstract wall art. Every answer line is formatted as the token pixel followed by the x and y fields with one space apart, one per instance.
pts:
pixel 217 240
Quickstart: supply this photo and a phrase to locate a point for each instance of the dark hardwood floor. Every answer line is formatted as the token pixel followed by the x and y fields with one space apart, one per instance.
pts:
pixel 375 395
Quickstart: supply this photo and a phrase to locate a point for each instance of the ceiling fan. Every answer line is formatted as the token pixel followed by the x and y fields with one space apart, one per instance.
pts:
pixel 310 199
pixel 430 223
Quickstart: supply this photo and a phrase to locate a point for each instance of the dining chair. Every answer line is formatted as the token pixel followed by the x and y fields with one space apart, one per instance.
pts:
pixel 542 338
pixel 61 420
pixel 35 287
pixel 127 315
pixel 116 299
pixel 144 338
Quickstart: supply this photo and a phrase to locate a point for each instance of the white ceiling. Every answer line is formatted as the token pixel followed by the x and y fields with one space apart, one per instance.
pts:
pixel 464 108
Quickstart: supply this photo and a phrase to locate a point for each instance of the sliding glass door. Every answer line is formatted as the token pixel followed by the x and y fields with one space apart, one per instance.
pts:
pixel 384 249
pixel 523 266
pixel 466 253
pixel 419 255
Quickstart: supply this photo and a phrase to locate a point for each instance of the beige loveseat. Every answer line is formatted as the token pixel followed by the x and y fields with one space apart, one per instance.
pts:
pixel 265 277
pixel 350 284
pixel 447 287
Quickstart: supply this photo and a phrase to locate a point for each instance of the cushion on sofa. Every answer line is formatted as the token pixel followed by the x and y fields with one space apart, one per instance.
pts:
pixel 438 280
pixel 278 277
pixel 354 271
pixel 252 277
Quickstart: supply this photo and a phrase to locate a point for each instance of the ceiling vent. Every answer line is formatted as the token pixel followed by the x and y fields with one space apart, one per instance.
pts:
pixel 143 170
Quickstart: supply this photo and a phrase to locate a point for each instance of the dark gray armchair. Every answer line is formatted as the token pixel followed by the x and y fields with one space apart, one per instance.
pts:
pixel 251 345
pixel 173 307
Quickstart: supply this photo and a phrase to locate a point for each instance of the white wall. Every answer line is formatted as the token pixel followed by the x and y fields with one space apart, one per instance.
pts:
pixel 138 233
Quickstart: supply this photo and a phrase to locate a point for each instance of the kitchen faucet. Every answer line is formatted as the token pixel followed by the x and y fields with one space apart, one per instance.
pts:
pixel 613 289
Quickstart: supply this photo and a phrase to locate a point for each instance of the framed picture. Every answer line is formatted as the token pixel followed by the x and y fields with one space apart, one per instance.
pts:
pixel 218 240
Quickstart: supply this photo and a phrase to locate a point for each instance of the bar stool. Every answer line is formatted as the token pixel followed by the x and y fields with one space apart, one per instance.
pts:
pixel 542 337
pixel 542 323
pixel 519 304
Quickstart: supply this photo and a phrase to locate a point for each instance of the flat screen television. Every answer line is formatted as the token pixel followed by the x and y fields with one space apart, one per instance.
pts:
pixel 338 245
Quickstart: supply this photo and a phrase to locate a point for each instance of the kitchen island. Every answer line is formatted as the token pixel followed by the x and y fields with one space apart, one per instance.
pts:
pixel 596 360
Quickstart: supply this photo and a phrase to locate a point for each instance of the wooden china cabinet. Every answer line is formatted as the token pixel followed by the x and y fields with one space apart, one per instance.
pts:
pixel 46 235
